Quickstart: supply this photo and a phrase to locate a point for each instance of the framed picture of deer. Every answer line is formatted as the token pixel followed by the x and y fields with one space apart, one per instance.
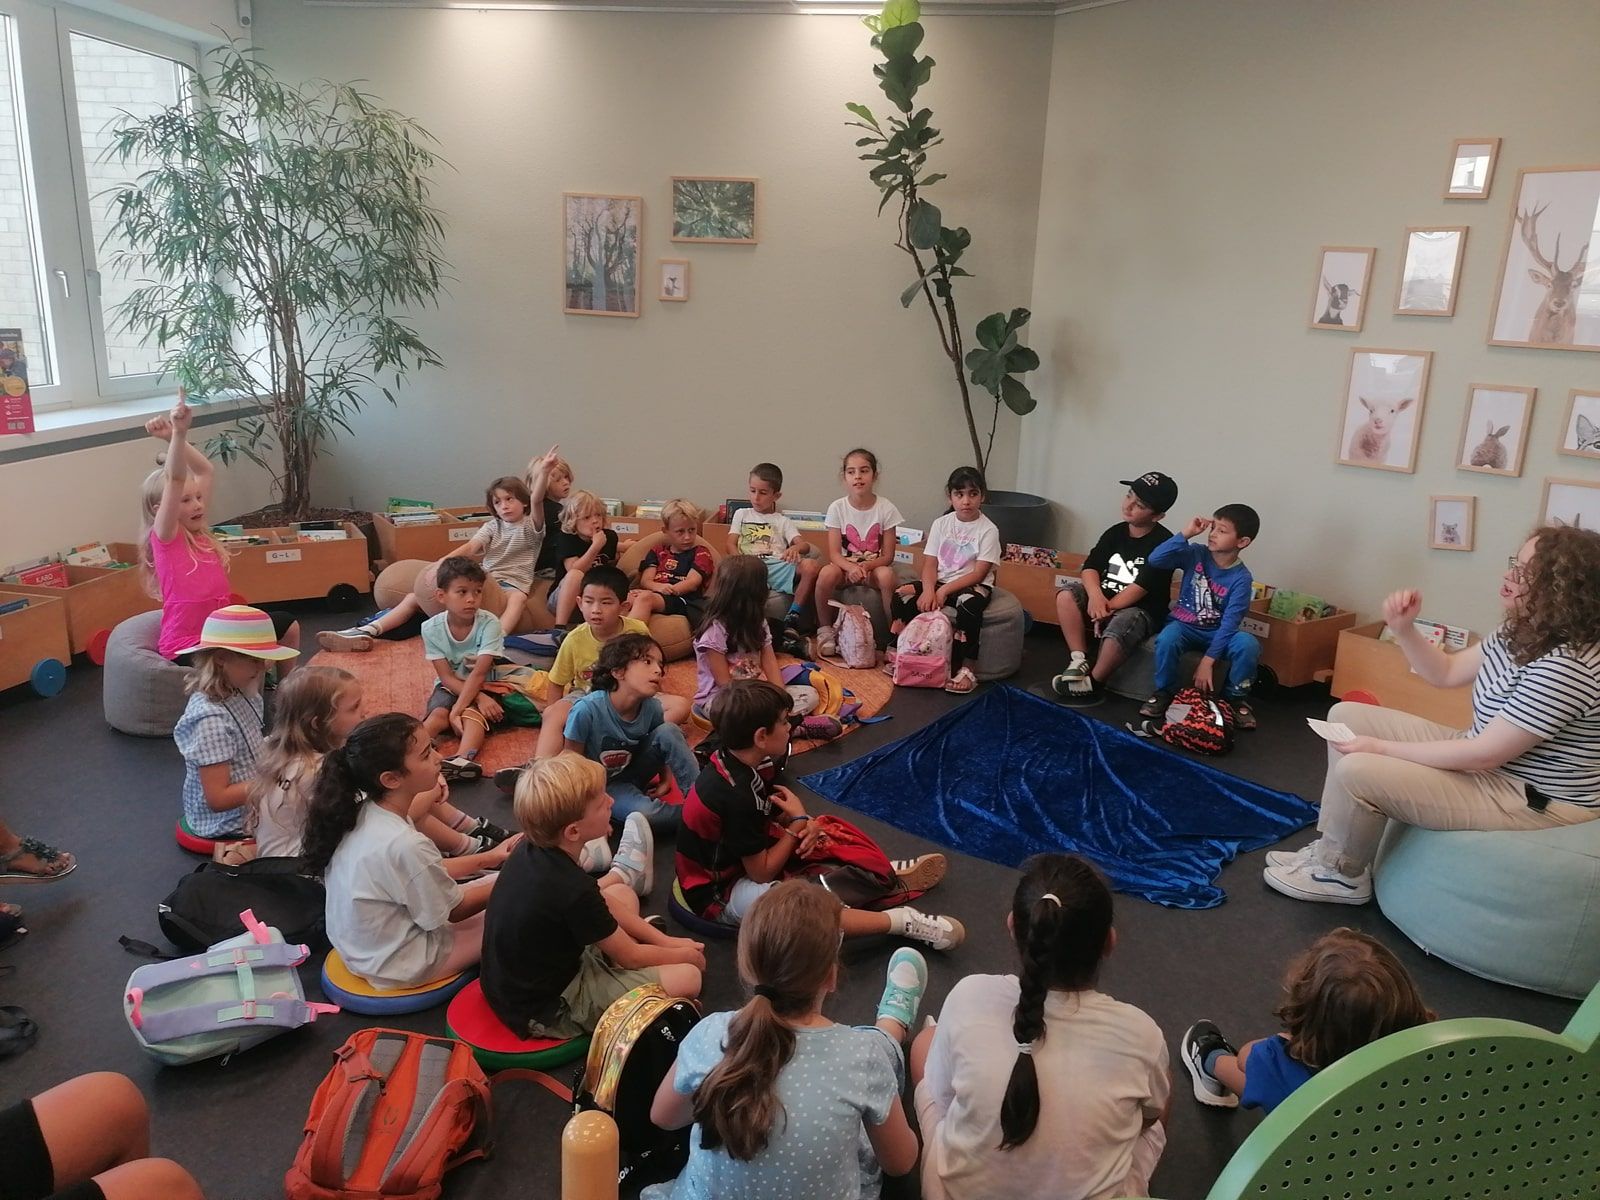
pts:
pixel 1541 298
pixel 1581 433
pixel 1471 168
pixel 1429 273
pixel 1339 300
pixel 1571 502
pixel 1494 428
pixel 1381 418
pixel 1450 522
pixel 600 266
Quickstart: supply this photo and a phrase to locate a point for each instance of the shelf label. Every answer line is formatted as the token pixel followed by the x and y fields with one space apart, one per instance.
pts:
pixel 283 556
pixel 904 556
pixel 1062 581
pixel 461 535
pixel 1256 626
pixel 625 526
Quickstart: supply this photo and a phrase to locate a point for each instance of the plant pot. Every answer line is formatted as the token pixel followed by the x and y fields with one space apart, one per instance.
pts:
pixel 1023 518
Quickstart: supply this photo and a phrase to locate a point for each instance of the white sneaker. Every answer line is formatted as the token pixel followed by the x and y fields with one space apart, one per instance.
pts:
pixel 635 859
pixel 1288 858
pixel 356 640
pixel 1314 880
pixel 936 932
pixel 595 857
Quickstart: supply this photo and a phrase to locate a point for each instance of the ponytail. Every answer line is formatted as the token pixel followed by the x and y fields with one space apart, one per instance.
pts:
pixel 348 775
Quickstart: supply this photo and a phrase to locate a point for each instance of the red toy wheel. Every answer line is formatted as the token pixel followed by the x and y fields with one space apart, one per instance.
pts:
pixel 97 647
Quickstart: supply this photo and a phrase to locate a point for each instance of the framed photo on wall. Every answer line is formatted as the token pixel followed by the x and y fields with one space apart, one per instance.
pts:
pixel 602 237
pixel 1571 502
pixel 714 208
pixel 1494 428
pixel 1429 271
pixel 1339 300
pixel 1450 522
pixel 674 279
pixel 1581 433
pixel 1541 299
pixel 1471 168
pixel 1380 421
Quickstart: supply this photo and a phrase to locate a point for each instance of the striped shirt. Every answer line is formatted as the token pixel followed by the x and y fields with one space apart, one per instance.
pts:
pixel 511 549
pixel 1556 698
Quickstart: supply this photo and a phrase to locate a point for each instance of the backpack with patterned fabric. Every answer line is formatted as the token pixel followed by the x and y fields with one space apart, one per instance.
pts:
pixel 1199 721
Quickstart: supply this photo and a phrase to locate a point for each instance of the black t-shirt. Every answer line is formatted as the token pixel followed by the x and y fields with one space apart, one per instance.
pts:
pixel 1120 559
pixel 549 558
pixel 726 818
pixel 542 913
pixel 570 545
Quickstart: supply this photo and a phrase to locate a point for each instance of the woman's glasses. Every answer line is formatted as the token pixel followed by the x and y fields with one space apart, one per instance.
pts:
pixel 1517 570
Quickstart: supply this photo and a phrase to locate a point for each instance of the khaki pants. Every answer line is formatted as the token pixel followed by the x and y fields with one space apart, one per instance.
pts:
pixel 1364 791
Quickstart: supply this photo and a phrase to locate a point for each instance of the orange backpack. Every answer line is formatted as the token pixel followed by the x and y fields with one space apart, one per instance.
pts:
pixel 394 1114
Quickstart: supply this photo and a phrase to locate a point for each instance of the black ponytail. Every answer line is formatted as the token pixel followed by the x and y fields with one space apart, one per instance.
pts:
pixel 349 775
pixel 1060 918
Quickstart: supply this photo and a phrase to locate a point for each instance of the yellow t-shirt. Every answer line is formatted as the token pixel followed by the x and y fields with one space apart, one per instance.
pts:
pixel 576 658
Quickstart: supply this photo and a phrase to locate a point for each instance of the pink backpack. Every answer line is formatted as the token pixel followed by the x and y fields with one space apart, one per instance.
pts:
pixel 852 635
pixel 922 655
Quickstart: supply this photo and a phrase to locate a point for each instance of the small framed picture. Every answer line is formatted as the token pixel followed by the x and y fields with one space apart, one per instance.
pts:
pixel 1581 433
pixel 1340 298
pixel 1381 417
pixel 714 208
pixel 1450 522
pixel 1494 428
pixel 1432 267
pixel 1542 297
pixel 674 279
pixel 1571 502
pixel 1471 168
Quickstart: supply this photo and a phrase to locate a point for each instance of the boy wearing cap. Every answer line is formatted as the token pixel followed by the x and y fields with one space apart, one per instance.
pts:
pixel 1118 597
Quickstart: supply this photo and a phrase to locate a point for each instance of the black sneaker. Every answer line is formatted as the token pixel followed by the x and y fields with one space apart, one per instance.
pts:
pixel 487 830
pixel 506 778
pixel 1201 1041
pixel 1157 705
pixel 1244 717
pixel 792 643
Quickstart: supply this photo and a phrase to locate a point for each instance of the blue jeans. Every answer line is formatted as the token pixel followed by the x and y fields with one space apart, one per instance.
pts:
pixel 667 743
pixel 1176 637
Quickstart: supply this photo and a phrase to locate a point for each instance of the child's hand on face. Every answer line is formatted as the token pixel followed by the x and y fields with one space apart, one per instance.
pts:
pixel 1196 526
pixel 599 538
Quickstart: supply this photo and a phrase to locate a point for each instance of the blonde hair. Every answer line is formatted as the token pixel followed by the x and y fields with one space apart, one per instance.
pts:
pixel 208 678
pixel 581 504
pixel 150 494
pixel 301 735
pixel 680 510
pixel 552 793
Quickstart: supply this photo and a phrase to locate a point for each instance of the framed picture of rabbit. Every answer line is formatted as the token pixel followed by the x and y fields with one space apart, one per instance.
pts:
pixel 1450 521
pixel 1494 428
pixel 1581 433
pixel 1381 419
pixel 1542 299
pixel 1571 502
pixel 1339 300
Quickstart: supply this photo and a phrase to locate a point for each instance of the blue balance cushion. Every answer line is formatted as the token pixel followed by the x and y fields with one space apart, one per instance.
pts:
pixel 350 992
pixel 683 915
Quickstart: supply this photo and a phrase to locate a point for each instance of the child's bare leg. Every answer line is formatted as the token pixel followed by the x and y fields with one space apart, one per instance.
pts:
pixel 805 580
pixel 436 723
pixel 396 616
pixel 474 729
pixel 645 603
pixel 1109 659
pixel 917 1059
pixel 511 615
pixel 448 839
pixel 553 729
pixel 677 709
pixel 885 578
pixel 680 979
pixel 567 597
pixel 1229 1069
pixel 829 580
pixel 1070 617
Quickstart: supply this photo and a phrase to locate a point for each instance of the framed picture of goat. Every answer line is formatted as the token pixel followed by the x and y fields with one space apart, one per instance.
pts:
pixel 1450 522
pixel 1339 300
pixel 1541 298
pixel 1494 428
pixel 1581 433
pixel 1571 502
pixel 1381 419
pixel 1429 273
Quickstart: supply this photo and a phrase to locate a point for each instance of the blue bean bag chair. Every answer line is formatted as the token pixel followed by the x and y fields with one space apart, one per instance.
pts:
pixel 1517 907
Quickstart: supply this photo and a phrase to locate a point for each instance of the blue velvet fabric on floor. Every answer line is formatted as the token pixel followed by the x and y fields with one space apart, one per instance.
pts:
pixel 1011 774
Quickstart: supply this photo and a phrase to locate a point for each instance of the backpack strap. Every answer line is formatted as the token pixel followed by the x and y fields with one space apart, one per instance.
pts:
pixel 526 1075
pixel 279 1012
pixel 233 959
pixel 338 1132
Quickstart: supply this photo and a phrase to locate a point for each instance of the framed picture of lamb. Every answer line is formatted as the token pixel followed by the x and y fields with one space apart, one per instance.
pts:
pixel 1494 428
pixel 1543 298
pixel 1339 299
pixel 1571 502
pixel 1581 433
pixel 1471 168
pixel 1450 522
pixel 1381 419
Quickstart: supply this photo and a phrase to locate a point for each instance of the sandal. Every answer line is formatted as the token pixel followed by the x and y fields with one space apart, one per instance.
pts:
pixel 963 682
pixel 234 854
pixel 56 863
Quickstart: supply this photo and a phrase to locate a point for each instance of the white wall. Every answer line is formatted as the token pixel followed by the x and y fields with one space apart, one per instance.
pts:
pixel 794 350
pixel 1196 157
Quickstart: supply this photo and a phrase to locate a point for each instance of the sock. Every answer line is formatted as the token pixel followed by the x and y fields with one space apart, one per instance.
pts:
pixel 1079 657
pixel 466 822
pixel 897 920
pixel 1211 1062
pixel 470 755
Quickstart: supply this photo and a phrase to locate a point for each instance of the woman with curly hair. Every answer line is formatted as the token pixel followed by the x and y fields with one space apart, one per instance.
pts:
pixel 1532 757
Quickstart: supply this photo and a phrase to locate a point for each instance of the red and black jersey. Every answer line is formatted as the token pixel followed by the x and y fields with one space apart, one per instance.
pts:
pixel 727 817
pixel 673 566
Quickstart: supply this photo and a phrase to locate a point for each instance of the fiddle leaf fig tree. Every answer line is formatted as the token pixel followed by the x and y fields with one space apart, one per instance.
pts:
pixel 276 243
pixel 897 147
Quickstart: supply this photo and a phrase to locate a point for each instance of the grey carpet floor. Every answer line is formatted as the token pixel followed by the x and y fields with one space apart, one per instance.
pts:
pixel 112 800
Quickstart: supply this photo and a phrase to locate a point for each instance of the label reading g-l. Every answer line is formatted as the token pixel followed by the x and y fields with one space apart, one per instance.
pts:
pixel 625 526
pixel 283 556
pixel 460 535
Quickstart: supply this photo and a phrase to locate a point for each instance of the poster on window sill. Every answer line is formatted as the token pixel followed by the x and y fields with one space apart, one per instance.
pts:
pixel 16 407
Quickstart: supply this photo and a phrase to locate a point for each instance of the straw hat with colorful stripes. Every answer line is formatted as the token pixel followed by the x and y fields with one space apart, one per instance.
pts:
pixel 244 630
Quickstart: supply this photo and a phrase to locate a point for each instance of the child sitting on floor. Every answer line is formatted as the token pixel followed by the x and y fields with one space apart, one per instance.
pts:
pixel 558 946
pixel 1346 990
pixel 462 643
pixel 221 730
pixel 394 913
pixel 861 540
pixel 673 576
pixel 769 535
pixel 1038 1084
pixel 734 640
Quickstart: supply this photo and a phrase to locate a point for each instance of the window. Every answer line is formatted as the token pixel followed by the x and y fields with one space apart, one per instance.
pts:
pixel 66 76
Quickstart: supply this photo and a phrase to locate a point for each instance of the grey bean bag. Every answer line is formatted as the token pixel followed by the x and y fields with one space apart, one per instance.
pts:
pixel 143 692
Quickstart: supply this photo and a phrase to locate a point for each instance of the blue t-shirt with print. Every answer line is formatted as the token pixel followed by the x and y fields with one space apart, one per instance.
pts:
pixel 1271 1075
pixel 1211 598
pixel 622 747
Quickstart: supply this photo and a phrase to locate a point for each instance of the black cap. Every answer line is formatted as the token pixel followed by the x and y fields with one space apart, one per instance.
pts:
pixel 1155 489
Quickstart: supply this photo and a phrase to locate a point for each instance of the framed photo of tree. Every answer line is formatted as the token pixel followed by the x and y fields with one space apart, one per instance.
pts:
pixel 714 208
pixel 602 239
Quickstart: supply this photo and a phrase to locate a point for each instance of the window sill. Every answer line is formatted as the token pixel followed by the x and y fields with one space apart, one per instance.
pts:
pixel 64 430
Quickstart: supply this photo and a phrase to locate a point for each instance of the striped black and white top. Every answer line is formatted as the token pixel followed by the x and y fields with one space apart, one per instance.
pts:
pixel 1556 698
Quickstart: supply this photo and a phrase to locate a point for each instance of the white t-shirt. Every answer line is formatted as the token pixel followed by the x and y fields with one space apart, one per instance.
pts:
pixel 1102 1071
pixel 862 529
pixel 281 811
pixel 389 901
pixel 958 544
pixel 765 535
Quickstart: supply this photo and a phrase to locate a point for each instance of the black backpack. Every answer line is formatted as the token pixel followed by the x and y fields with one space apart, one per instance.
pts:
pixel 204 908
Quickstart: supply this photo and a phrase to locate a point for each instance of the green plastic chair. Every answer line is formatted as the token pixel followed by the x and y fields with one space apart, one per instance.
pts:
pixel 1475 1107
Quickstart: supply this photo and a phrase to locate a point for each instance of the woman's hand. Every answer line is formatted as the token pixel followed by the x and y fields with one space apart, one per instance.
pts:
pixel 1361 744
pixel 1401 608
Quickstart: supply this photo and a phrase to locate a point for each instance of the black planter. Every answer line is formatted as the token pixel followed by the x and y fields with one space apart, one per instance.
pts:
pixel 1023 518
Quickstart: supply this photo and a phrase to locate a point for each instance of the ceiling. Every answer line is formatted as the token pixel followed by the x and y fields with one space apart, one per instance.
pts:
pixel 843 7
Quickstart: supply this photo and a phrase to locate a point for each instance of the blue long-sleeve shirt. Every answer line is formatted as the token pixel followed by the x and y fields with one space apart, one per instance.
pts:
pixel 1211 597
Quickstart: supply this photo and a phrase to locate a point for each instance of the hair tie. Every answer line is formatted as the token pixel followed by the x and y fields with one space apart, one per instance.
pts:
pixel 1053 898
pixel 765 992
pixel 1025 1048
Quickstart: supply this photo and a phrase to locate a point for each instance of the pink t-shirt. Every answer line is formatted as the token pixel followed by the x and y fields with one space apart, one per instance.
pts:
pixel 193 585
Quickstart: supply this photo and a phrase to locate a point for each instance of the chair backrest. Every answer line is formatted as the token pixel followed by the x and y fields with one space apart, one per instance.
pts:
pixel 1449 1111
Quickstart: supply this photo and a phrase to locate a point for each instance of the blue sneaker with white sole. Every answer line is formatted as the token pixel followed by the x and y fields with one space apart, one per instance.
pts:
pixel 904 987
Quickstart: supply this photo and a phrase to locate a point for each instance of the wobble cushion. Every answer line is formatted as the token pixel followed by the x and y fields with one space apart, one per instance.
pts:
pixel 349 991
pixel 143 693
pixel 416 577
pixel 194 843
pixel 1000 643
pixel 471 1021
pixel 1519 907
pixel 693 922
